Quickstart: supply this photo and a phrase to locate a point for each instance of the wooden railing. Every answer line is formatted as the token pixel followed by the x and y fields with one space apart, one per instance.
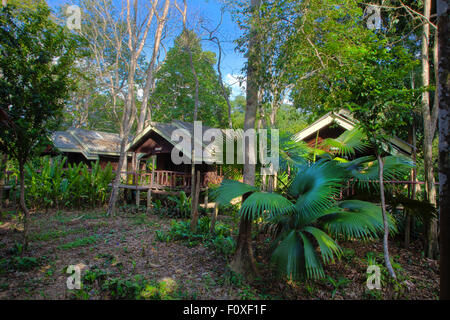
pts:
pixel 9 178
pixel 169 179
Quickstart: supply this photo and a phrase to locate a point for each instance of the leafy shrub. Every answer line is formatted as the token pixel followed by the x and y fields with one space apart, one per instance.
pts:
pixel 18 263
pixel 221 240
pixel 125 288
pixel 50 184
pixel 162 291
pixel 181 206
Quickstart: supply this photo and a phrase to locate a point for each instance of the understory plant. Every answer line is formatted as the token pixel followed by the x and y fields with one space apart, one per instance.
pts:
pixel 307 220
pixel 50 184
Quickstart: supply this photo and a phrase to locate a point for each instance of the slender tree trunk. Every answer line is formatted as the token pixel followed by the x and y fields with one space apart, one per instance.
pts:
pixel 429 124
pixel 443 11
pixel 385 220
pixel 150 81
pixel 413 187
pixel 243 260
pixel 194 212
pixel 23 206
pixel 214 218
pixel 3 161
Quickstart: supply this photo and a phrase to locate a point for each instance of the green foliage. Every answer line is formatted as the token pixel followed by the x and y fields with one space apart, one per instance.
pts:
pixel 79 243
pixel 174 93
pixel 221 240
pixel 18 263
pixel 337 284
pixel 181 205
pixel 118 288
pixel 311 223
pixel 36 59
pixel 162 291
pixel 49 185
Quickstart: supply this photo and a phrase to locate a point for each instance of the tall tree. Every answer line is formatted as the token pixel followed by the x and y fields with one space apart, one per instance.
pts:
pixel 429 115
pixel 40 53
pixel 136 36
pixel 443 11
pixel 174 95
pixel 243 260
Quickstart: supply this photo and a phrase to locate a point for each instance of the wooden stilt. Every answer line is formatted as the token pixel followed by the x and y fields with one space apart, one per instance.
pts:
pixel 206 199
pixel 152 177
pixel 138 200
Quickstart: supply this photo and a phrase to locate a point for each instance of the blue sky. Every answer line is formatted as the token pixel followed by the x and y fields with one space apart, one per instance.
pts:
pixel 210 12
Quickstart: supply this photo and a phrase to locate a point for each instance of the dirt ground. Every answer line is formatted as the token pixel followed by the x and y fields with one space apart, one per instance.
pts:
pixel 126 246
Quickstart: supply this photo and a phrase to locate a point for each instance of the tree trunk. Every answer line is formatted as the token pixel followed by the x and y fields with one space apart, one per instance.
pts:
pixel 385 220
pixel 413 186
pixel 429 124
pixel 194 212
pixel 3 161
pixel 243 261
pixel 23 206
pixel 214 218
pixel 150 81
pixel 443 10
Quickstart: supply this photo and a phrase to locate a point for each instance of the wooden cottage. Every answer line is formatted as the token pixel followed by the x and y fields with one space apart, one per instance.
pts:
pixel 332 125
pixel 152 149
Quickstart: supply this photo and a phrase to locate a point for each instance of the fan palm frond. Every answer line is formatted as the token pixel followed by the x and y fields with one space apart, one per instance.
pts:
pixel 355 219
pixel 328 247
pixel 230 189
pixel 314 269
pixel 269 204
pixel 315 187
pixel 422 210
pixel 289 256
pixel 366 172
pixel 348 143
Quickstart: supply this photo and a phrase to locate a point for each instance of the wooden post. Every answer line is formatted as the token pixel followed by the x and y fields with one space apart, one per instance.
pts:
pixel 138 199
pixel 133 164
pixel 206 199
pixel 149 193
pixel 196 194
pixel 214 217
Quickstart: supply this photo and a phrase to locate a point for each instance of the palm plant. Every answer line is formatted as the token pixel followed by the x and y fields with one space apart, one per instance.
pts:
pixel 308 220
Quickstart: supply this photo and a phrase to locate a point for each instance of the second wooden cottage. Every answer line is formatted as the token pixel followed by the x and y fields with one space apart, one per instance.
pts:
pixel 152 149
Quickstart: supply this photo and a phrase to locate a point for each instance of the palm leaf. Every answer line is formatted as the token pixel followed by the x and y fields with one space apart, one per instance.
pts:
pixel 289 256
pixel 230 189
pixel 259 203
pixel 348 143
pixel 315 187
pixel 355 219
pixel 366 173
pixel 314 269
pixel 328 247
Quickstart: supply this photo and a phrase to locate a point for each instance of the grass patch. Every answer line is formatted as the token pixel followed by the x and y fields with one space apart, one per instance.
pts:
pixel 79 243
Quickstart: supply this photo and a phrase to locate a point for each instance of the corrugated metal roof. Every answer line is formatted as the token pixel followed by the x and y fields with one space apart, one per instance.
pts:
pixel 88 142
pixel 97 141
pixel 64 140
pixel 166 130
